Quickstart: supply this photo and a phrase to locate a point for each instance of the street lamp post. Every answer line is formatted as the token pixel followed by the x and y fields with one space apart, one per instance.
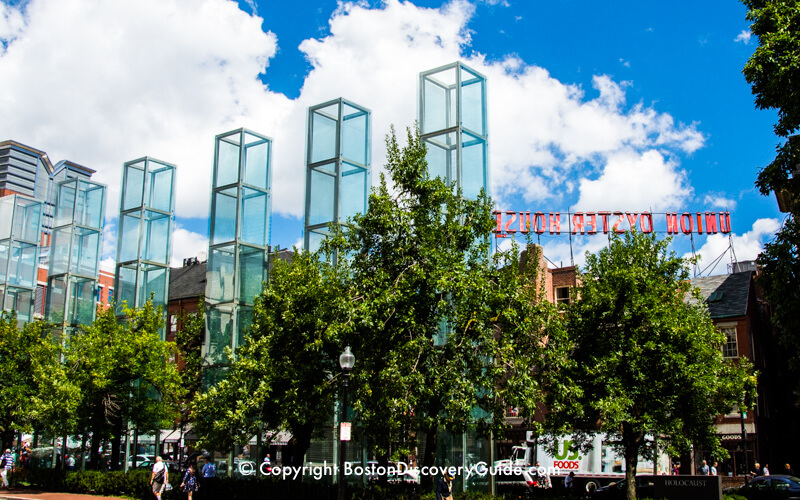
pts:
pixel 346 362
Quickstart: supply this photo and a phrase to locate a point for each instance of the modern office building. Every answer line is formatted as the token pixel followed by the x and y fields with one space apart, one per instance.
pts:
pixel 338 175
pixel 144 238
pixel 75 254
pixel 239 229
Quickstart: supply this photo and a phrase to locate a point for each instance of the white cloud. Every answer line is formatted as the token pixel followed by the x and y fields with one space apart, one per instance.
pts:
pixel 162 77
pixel 744 37
pixel 186 244
pixel 625 63
pixel 718 200
pixel 109 265
pixel 746 246
pixel 635 181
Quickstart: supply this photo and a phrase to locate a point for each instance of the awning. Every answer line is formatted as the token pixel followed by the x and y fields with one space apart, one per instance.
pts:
pixel 273 438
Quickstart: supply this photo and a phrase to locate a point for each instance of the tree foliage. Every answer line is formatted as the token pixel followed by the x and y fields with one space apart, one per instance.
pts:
pixel 285 374
pixel 445 334
pixel 126 373
pixel 774 74
pixel 643 360
pixel 35 390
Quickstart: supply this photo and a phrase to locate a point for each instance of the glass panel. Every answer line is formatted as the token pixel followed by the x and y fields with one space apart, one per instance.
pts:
pixel 20 301
pixel 129 238
pixel 6 216
pixel 4 254
pixel 315 240
pixel 125 290
pixel 227 167
pixel 155 237
pixel 223 223
pixel 256 157
pixel 244 320
pixel 133 186
pixel 352 191
pixel 55 300
pixel 472 105
pixel 89 211
pixel 434 113
pixel 161 188
pixel 23 264
pixel 220 334
pixel 321 198
pixel 252 273
pixel 323 133
pixel 27 220
pixel 219 278
pixel 59 255
pixel 441 156
pixel 354 135
pixel 66 203
pixel 473 166
pixel 85 251
pixel 153 280
pixel 82 302
pixel 255 219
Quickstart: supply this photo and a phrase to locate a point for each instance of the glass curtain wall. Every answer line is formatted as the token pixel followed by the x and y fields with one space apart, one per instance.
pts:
pixel 20 230
pixel 239 241
pixel 338 174
pixel 144 239
pixel 452 120
pixel 75 254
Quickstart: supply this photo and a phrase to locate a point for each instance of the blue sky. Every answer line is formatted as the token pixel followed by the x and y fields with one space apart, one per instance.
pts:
pixel 627 106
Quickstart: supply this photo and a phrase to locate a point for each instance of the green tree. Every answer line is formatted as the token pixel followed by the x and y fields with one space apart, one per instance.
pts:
pixel 284 376
pixel 35 390
pixel 445 334
pixel 189 342
pixel 773 71
pixel 126 374
pixel 643 360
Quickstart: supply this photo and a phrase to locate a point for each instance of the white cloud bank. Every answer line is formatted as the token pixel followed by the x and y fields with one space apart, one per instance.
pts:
pixel 101 83
pixel 746 246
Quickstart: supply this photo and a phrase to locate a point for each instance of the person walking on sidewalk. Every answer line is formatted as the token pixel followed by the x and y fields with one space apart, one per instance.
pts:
pixel 159 478
pixel 189 484
pixel 6 464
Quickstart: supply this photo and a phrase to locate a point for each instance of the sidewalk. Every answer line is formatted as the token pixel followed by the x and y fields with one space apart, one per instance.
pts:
pixel 34 494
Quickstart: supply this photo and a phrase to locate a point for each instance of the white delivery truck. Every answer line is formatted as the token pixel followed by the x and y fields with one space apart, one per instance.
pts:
pixel 599 466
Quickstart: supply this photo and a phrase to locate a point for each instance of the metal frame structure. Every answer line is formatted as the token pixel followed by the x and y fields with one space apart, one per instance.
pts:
pixel 20 232
pixel 75 253
pixel 453 126
pixel 239 229
pixel 338 172
pixel 144 238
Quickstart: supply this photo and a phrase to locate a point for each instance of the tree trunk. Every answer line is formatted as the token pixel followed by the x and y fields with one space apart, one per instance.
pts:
pixel 116 442
pixel 429 457
pixel 632 441
pixel 8 439
pixel 302 442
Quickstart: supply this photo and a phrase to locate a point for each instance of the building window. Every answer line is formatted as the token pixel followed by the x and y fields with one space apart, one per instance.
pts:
pixel 730 348
pixel 562 295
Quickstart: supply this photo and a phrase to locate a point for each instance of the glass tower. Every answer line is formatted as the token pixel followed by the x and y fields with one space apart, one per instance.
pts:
pixel 20 230
pixel 338 172
pixel 144 248
pixel 452 121
pixel 75 253
pixel 239 238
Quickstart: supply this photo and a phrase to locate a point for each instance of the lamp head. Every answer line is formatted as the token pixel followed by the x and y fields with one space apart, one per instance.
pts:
pixel 347 360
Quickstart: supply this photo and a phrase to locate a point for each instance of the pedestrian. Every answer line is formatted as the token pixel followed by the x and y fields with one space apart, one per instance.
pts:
pixel 787 470
pixel 70 462
pixel 569 482
pixel 209 476
pixel 704 470
pixel 159 478
pixel 758 471
pixel 6 464
pixel 444 487
pixel 676 469
pixel 714 469
pixel 267 465
pixel 189 484
pixel 765 470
